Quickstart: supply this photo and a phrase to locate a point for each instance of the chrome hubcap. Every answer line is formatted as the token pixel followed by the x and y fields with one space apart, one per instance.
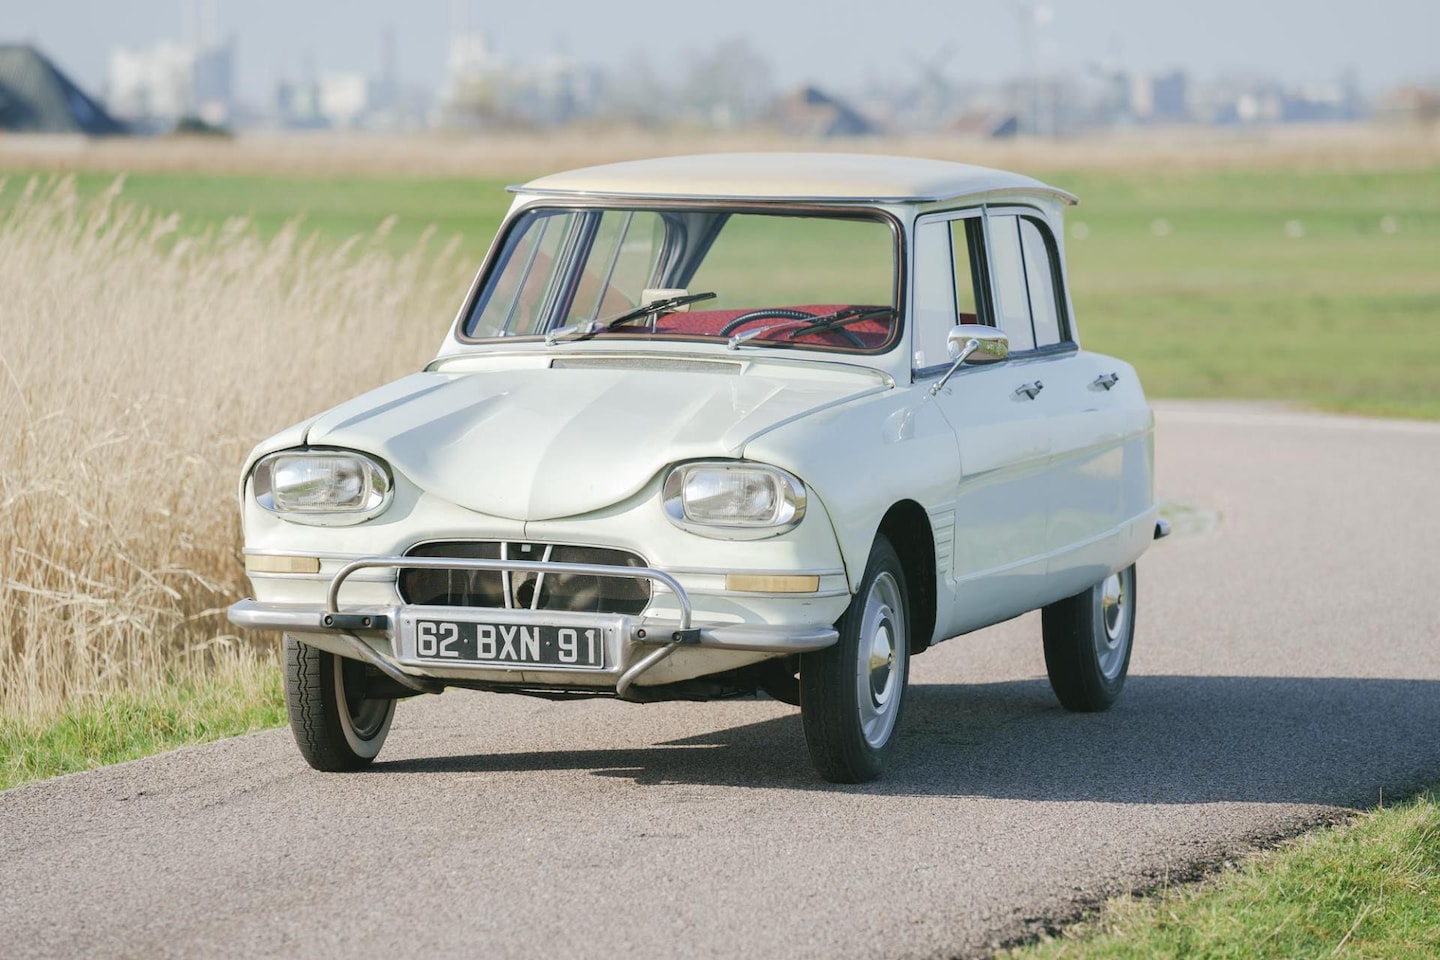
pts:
pixel 1112 636
pixel 880 665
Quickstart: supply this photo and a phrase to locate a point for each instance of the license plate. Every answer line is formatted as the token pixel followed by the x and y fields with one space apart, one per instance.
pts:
pixel 510 644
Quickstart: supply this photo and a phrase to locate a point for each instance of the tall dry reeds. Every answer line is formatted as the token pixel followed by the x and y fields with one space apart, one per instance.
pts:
pixel 138 364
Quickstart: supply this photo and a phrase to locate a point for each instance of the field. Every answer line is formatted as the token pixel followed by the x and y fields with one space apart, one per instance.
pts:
pixel 157 326
pixel 1312 287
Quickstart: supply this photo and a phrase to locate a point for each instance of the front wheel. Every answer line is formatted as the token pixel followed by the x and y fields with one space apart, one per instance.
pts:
pixel 851 694
pixel 336 725
pixel 1088 638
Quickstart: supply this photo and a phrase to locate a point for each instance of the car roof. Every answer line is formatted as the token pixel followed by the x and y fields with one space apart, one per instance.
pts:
pixel 812 177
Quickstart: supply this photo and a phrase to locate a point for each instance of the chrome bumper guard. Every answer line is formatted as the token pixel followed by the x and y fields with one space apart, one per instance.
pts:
pixel 665 636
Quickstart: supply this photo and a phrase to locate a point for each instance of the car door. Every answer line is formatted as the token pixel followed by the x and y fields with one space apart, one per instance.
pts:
pixel 999 515
pixel 1090 415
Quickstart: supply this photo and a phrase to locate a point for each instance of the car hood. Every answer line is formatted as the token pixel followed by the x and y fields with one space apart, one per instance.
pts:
pixel 537 444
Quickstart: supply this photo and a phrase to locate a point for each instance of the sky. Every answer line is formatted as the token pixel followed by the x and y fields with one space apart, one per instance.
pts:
pixel 837 43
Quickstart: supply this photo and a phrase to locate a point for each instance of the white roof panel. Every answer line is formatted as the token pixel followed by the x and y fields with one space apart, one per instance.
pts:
pixel 819 177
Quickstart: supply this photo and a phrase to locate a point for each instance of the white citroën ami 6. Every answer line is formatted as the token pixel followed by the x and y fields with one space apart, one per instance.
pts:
pixel 711 425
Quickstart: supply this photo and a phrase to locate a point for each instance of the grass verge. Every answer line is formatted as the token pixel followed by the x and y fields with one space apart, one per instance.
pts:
pixel 1369 888
pixel 242 697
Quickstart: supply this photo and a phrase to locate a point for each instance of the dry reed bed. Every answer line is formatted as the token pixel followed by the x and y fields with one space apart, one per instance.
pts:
pixel 138 365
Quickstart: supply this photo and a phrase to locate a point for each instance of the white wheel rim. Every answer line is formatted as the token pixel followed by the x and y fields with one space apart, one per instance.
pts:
pixel 1112 623
pixel 880 660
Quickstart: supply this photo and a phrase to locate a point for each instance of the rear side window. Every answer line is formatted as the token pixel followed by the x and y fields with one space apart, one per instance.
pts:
pixel 1026 295
pixel 1040 280
pixel 1012 294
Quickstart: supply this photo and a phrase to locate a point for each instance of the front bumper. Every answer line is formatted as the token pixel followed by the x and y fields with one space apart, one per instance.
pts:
pixel 635 644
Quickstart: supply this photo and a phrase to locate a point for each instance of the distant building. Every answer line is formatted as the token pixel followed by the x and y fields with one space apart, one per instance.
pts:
pixel 36 97
pixel 485 91
pixel 478 87
pixel 987 123
pixel 1162 98
pixel 297 105
pixel 344 99
pixel 163 83
pixel 1321 103
pixel 811 112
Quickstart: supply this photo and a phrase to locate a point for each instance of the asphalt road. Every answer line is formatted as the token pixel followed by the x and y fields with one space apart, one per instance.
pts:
pixel 1287 666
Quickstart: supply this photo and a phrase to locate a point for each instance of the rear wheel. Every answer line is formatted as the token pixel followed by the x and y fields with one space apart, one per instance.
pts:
pixel 851 694
pixel 336 725
pixel 1088 638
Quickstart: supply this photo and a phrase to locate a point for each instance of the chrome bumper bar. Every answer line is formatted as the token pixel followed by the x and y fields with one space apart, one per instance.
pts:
pixel 665 635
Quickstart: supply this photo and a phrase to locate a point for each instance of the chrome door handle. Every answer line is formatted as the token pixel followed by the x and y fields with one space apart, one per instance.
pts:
pixel 1107 380
pixel 1029 390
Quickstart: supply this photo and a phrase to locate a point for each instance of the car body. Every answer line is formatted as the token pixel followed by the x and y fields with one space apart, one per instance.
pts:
pixel 880 432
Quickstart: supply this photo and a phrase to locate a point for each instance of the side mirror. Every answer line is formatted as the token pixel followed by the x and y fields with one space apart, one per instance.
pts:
pixel 991 344
pixel 972 343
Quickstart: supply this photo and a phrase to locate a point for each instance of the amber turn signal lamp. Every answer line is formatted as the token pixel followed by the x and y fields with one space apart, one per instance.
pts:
pixel 765 583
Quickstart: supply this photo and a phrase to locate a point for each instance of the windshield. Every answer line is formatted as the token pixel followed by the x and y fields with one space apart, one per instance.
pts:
pixel 758 279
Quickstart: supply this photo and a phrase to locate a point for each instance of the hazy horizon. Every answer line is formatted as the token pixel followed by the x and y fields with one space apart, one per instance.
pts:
pixel 1385 42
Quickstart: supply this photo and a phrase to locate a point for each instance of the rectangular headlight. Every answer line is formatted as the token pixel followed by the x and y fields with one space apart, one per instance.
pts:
pixel 322 486
pixel 731 495
pixel 738 499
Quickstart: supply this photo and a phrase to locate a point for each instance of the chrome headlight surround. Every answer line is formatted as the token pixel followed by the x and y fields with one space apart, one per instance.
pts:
pixel 326 488
pixel 695 497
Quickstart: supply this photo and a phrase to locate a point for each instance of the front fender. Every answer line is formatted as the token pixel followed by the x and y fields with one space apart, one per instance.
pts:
pixel 860 459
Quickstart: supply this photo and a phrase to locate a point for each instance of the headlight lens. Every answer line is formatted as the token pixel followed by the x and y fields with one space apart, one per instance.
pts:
pixel 734 499
pixel 322 486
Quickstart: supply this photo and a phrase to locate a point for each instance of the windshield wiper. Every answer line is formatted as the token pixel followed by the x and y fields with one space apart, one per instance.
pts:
pixel 826 322
pixel 840 318
pixel 588 329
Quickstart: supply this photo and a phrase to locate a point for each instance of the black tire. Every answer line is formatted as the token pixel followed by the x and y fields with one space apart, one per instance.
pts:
pixel 780 679
pixel 1088 639
pixel 850 725
pixel 336 726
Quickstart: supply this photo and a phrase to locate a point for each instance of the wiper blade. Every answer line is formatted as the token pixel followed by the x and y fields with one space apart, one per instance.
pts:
pixel 588 329
pixel 655 306
pixel 828 321
pixel 840 318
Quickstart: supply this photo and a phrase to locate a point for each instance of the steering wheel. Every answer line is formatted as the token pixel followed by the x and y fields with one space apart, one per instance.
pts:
pixel 764 313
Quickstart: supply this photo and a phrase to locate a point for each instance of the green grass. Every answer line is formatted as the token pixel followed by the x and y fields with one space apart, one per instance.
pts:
pixel 1345 316
pixel 1366 889
pixel 1342 316
pixel 335 207
pixel 96 732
